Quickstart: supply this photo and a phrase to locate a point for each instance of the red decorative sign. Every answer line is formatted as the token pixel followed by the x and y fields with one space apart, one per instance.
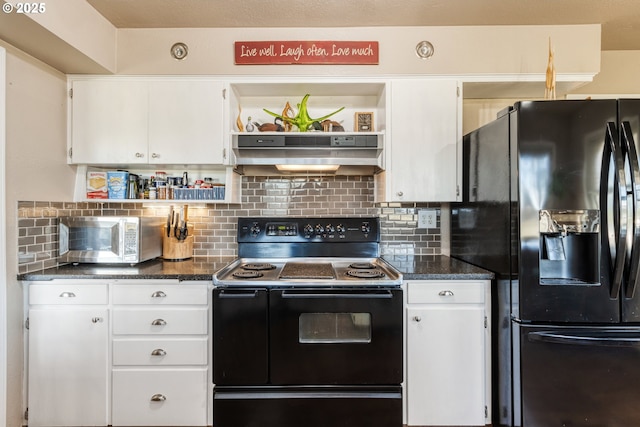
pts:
pixel 306 52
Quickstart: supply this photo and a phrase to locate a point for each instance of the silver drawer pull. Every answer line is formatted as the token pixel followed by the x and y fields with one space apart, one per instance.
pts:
pixel 158 398
pixel 445 293
pixel 158 294
pixel 159 322
pixel 158 352
pixel 97 319
pixel 417 318
pixel 67 295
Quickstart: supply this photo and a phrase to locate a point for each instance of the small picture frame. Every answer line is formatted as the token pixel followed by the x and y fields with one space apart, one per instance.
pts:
pixel 364 122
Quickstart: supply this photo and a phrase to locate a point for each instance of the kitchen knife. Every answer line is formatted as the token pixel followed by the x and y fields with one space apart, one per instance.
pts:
pixel 169 221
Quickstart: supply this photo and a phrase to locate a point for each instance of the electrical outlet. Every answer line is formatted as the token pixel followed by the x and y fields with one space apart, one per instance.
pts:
pixel 427 218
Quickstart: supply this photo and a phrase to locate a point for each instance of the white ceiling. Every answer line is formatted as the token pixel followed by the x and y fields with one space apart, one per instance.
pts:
pixel 620 19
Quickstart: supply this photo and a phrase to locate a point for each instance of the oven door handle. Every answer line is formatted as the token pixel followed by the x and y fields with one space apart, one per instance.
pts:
pixel 252 293
pixel 364 294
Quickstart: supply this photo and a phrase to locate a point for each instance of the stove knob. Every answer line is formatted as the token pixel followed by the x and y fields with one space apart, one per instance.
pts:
pixel 255 229
pixel 308 230
pixel 330 229
pixel 319 230
pixel 340 229
pixel 365 228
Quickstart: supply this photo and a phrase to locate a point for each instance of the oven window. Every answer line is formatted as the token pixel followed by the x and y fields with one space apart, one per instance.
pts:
pixel 334 328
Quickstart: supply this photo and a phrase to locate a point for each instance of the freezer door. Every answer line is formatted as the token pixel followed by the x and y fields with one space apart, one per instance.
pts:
pixel 629 129
pixel 579 376
pixel 569 189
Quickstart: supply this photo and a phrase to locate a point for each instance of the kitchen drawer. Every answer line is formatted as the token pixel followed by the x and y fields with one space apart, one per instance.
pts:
pixel 68 294
pixel 160 294
pixel 160 352
pixel 445 292
pixel 156 397
pixel 160 321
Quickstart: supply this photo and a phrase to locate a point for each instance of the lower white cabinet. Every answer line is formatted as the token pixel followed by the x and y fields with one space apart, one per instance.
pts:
pixel 160 397
pixel 121 353
pixel 447 348
pixel 160 354
pixel 68 354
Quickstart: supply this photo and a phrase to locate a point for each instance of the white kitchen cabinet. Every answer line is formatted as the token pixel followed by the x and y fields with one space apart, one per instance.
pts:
pixel 161 354
pixel 447 350
pixel 108 121
pixel 423 142
pixel 119 352
pixel 185 122
pixel 160 397
pixel 134 121
pixel 68 364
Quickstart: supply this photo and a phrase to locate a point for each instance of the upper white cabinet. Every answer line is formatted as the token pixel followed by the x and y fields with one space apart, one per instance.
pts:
pixel 423 142
pixel 185 122
pixel 108 121
pixel 128 121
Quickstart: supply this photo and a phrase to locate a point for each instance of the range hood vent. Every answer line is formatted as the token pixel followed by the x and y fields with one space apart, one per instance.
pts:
pixel 313 149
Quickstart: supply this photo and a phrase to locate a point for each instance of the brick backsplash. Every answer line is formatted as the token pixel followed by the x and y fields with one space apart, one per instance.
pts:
pixel 215 224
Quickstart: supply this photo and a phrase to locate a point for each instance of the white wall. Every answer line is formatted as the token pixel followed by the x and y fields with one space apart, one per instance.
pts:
pixel 481 50
pixel 618 77
pixel 3 245
pixel 35 169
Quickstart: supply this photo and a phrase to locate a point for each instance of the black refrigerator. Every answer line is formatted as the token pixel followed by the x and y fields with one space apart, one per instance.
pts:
pixel 551 206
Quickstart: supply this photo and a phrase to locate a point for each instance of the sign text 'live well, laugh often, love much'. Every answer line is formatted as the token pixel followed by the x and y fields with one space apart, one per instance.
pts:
pixel 306 52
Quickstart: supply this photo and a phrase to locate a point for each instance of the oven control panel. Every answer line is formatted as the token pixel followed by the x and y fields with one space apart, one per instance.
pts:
pixel 282 229
pixel 308 229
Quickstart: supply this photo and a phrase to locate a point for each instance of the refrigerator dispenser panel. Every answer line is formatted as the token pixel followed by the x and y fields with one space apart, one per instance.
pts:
pixel 570 249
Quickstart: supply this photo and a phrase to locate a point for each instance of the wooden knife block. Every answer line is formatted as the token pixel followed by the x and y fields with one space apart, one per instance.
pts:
pixel 174 249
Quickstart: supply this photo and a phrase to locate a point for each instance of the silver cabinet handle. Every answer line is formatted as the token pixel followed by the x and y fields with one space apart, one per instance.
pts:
pixel 400 193
pixel 67 295
pixel 97 319
pixel 158 352
pixel 139 155
pixel 155 155
pixel 159 322
pixel 417 318
pixel 158 294
pixel 445 293
pixel 158 398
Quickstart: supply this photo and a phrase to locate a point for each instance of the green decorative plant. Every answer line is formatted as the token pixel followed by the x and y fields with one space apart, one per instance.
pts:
pixel 302 120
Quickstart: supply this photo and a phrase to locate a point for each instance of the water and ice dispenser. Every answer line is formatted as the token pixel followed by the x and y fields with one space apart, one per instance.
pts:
pixel 569 247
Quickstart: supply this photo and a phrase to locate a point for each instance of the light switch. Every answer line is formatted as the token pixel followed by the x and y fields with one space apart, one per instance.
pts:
pixel 427 218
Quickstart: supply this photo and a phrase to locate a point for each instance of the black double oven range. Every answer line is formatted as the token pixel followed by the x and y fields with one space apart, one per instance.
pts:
pixel 307 327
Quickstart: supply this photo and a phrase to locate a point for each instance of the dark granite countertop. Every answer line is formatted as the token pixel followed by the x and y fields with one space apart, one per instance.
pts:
pixel 193 269
pixel 419 267
pixel 436 267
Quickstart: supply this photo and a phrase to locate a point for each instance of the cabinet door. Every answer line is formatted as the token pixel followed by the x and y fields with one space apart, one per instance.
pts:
pixel 186 122
pixel 109 122
pixel 68 370
pixel 424 141
pixel 445 365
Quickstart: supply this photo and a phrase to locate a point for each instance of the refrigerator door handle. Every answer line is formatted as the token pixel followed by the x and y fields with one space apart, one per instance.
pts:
pixel 634 194
pixel 618 236
pixel 602 340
